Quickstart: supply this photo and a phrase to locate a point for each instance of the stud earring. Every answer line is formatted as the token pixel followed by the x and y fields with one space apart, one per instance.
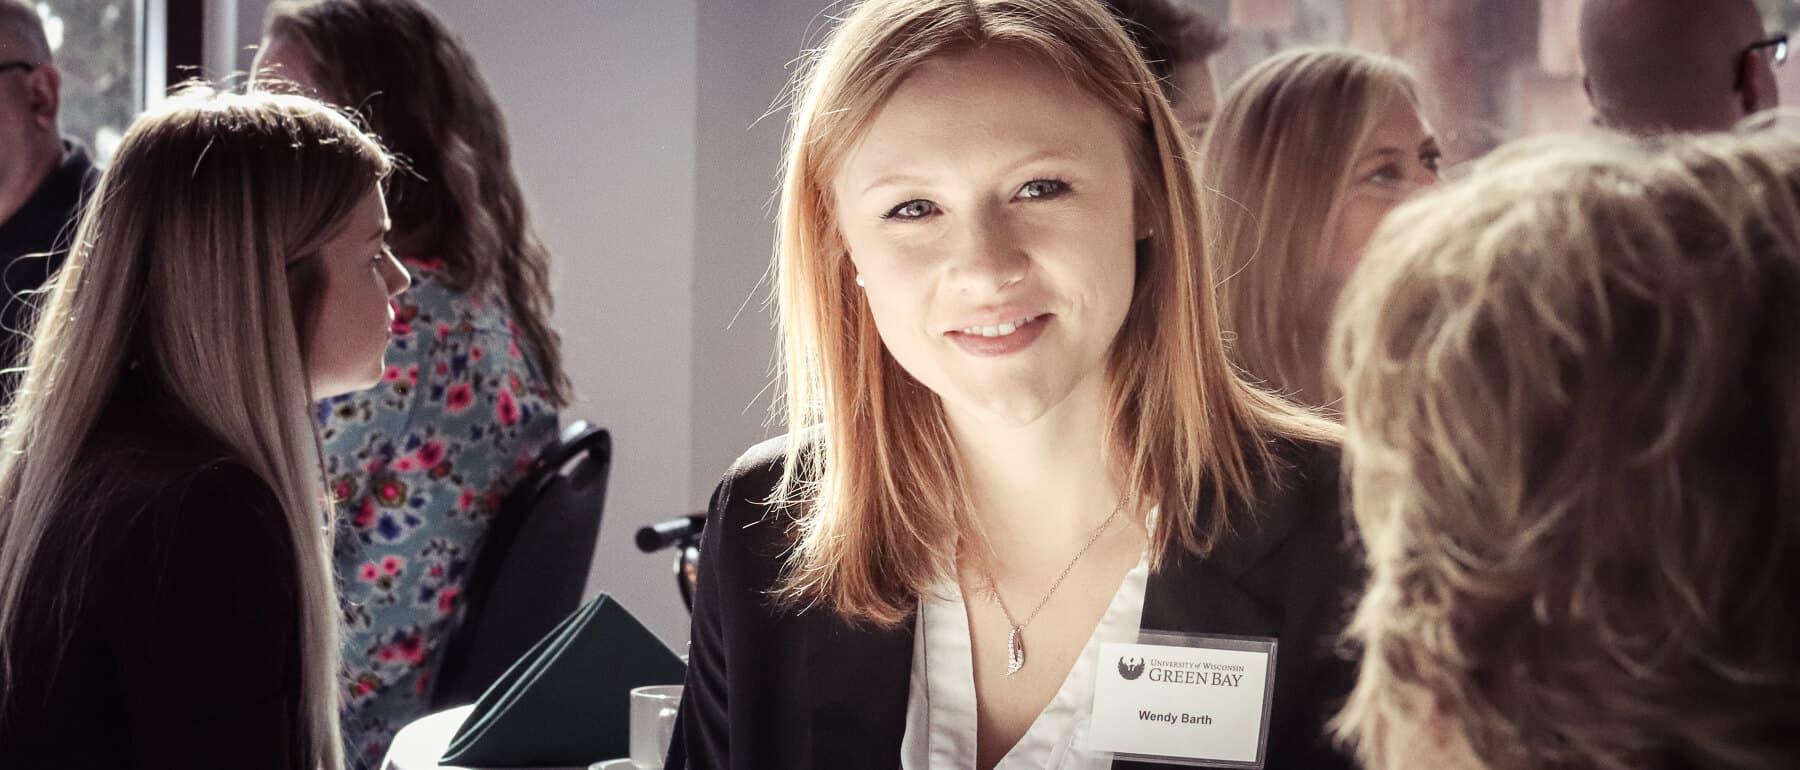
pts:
pixel 859 281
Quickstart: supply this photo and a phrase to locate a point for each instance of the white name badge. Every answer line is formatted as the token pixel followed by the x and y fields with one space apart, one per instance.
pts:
pixel 1184 699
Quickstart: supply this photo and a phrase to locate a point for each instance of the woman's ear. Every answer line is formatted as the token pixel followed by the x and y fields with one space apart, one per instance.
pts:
pixel 1143 213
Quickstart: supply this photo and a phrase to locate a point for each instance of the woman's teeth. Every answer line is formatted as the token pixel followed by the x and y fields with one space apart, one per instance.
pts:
pixel 996 331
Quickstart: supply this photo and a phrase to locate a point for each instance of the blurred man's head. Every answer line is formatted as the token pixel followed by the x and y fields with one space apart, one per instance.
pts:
pixel 1656 66
pixel 1178 42
pixel 30 145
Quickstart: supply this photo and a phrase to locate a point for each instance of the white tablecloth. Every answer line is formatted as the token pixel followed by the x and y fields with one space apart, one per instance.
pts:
pixel 418 745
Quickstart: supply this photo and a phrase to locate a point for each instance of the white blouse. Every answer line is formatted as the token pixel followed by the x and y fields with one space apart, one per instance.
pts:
pixel 940 708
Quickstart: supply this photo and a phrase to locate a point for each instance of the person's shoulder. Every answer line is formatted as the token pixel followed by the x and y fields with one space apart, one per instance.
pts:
pixel 1306 464
pixel 745 514
pixel 760 467
pixel 1295 513
pixel 156 468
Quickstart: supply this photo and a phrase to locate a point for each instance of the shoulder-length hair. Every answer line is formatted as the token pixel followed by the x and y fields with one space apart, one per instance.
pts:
pixel 198 264
pixel 870 470
pixel 1572 396
pixel 416 86
pixel 1276 165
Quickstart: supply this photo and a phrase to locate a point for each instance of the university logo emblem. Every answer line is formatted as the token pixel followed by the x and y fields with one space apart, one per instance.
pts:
pixel 1131 668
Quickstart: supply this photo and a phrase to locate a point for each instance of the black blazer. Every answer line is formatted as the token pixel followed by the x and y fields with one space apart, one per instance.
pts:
pixel 179 646
pixel 769 688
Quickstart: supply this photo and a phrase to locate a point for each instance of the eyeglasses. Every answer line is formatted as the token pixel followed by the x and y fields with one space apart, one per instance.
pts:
pixel 17 64
pixel 1777 57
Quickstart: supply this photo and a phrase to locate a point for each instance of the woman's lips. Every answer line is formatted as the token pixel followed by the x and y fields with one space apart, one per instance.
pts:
pixel 1001 339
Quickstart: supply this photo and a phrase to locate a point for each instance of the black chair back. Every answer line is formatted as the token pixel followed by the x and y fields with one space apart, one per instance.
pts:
pixel 531 572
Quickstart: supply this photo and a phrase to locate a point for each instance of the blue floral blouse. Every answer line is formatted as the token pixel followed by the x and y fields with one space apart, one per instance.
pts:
pixel 418 465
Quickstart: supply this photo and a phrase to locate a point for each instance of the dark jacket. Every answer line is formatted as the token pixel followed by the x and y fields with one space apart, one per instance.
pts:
pixel 33 243
pixel 769 688
pixel 179 645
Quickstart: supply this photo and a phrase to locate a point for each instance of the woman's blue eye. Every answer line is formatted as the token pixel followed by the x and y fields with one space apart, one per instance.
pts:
pixel 913 209
pixel 1043 188
pixel 1386 176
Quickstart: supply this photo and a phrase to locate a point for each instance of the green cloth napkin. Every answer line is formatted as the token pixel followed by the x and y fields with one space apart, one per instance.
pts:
pixel 568 701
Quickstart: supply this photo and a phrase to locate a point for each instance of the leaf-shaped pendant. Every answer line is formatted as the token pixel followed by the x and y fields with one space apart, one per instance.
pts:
pixel 1015 651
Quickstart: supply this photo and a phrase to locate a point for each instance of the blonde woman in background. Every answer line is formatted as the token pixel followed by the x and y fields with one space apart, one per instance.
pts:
pixel 1310 150
pixel 1572 389
pixel 1015 436
pixel 165 589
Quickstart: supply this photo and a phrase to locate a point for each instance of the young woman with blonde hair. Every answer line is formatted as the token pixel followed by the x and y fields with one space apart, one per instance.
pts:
pixel 1572 392
pixel 1014 434
pixel 421 462
pixel 166 597
pixel 1309 151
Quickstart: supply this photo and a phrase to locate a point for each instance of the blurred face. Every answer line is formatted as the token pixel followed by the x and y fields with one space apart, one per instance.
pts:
pixel 1398 158
pixel 28 139
pixel 358 277
pixel 281 59
pixel 1193 96
pixel 988 211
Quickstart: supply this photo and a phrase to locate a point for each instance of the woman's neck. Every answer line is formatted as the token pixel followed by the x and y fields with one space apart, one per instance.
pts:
pixel 1041 485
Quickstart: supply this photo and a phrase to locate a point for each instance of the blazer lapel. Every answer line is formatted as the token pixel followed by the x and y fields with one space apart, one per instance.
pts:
pixel 861 680
pixel 1202 595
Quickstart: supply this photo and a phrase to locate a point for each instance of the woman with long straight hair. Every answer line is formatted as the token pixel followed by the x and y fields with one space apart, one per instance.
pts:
pixel 1572 395
pixel 421 462
pixel 166 597
pixel 1309 151
pixel 1014 436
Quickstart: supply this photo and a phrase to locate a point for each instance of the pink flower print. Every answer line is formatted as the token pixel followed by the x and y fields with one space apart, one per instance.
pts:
pixel 443 331
pixel 459 397
pixel 518 388
pixel 401 328
pixel 392 565
pixel 411 649
pixel 412 374
pixel 391 491
pixel 343 489
pixel 507 409
pixel 365 515
pixel 403 464
pixel 369 572
pixel 512 350
pixel 437 570
pixel 432 453
pixel 475 353
pixel 364 685
pixel 391 374
pixel 466 499
pixel 440 470
pixel 407 649
pixel 447 600
pixel 442 369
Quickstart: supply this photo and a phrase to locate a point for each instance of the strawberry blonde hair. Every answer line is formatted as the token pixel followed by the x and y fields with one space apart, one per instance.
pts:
pixel 870 475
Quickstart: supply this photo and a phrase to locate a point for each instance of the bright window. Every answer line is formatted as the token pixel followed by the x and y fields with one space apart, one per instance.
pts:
pixel 99 48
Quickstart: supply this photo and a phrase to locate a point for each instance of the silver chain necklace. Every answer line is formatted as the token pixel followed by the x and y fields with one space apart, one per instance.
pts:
pixel 1015 639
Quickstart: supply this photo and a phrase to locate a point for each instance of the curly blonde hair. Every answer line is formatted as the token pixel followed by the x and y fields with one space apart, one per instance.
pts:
pixel 1572 398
